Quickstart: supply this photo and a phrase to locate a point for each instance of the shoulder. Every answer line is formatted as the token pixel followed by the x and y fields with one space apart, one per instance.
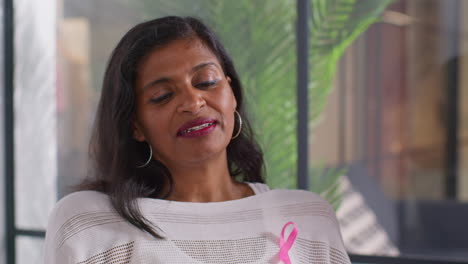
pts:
pixel 80 202
pixel 287 196
pixel 300 194
pixel 80 197
pixel 289 193
pixel 299 203
pixel 297 196
pixel 258 187
pixel 74 209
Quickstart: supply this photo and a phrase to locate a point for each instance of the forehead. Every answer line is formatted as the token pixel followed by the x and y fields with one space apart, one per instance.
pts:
pixel 176 57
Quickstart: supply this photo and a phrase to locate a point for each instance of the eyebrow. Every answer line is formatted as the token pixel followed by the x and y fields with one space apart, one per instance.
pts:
pixel 202 65
pixel 155 82
pixel 166 79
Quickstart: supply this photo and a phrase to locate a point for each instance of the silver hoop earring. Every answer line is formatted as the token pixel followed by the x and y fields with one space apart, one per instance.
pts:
pixel 149 159
pixel 240 125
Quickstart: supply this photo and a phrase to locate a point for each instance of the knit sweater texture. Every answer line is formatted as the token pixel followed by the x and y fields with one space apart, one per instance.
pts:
pixel 85 229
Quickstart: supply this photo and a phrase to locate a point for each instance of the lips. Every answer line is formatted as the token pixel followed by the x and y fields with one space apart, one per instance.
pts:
pixel 197 127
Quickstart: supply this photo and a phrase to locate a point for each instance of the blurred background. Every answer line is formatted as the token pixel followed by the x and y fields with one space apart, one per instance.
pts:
pixel 362 101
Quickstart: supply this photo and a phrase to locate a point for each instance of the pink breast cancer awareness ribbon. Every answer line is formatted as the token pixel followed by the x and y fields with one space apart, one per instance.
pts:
pixel 286 246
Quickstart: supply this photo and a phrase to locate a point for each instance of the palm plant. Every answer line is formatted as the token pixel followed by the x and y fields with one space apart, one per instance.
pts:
pixel 334 25
pixel 261 37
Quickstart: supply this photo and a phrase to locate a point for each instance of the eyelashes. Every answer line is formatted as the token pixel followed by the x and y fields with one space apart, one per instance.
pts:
pixel 207 84
pixel 161 98
pixel 201 86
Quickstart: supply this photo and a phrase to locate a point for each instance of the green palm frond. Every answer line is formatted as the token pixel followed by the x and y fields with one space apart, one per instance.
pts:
pixel 326 182
pixel 261 40
pixel 334 25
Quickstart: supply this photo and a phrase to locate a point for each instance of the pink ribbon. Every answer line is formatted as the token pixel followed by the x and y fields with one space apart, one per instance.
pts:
pixel 286 246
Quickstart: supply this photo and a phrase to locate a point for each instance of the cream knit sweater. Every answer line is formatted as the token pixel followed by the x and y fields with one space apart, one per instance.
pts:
pixel 84 229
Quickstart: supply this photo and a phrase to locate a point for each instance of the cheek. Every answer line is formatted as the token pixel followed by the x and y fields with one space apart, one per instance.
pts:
pixel 227 99
pixel 226 105
pixel 153 123
pixel 157 133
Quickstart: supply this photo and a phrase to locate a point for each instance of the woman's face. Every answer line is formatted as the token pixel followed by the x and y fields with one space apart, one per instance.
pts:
pixel 184 104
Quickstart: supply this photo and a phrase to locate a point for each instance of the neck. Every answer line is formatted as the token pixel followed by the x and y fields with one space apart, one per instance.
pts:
pixel 205 182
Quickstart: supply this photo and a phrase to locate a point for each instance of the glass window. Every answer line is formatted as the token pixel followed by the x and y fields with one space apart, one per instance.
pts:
pixel 35 112
pixel 395 120
pixel 29 250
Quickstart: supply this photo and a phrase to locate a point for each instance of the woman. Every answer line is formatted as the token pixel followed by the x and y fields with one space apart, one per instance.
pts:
pixel 178 174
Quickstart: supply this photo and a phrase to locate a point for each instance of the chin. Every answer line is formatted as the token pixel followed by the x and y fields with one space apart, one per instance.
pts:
pixel 200 156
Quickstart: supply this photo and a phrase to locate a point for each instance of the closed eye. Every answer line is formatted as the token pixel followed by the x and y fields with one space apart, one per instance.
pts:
pixel 207 84
pixel 161 98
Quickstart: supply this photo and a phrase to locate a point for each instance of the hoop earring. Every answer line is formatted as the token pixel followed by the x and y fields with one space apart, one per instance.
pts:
pixel 149 159
pixel 240 125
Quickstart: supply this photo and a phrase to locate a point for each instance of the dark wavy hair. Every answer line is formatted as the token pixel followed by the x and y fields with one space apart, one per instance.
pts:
pixel 115 154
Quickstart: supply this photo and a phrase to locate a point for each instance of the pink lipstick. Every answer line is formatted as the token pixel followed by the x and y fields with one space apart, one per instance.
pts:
pixel 196 128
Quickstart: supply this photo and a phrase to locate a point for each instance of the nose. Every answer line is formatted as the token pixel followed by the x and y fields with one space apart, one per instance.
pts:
pixel 192 101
